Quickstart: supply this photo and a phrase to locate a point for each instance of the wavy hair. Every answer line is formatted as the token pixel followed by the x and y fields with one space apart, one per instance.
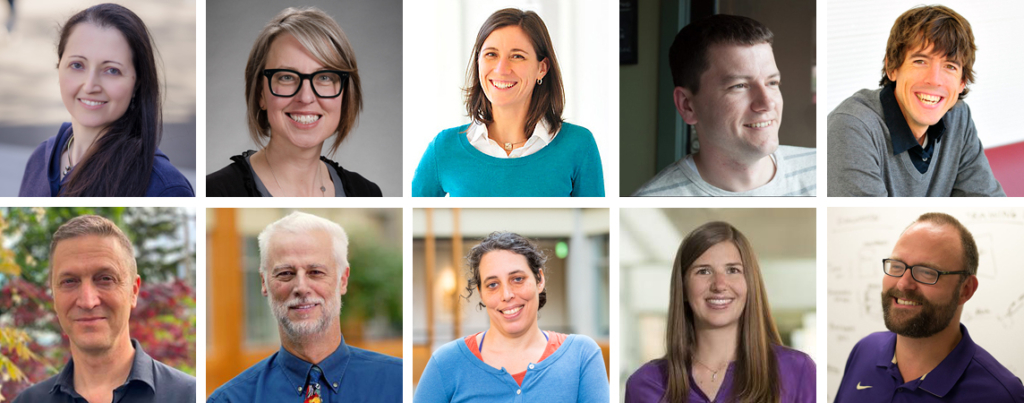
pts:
pixel 511 242
pixel 948 32
pixel 120 161
pixel 757 369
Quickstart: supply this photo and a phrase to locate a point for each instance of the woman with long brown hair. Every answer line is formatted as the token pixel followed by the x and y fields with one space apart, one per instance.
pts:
pixel 722 343
pixel 109 84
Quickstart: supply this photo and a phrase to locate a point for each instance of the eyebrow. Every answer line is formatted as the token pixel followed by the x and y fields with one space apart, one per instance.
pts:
pixel 734 77
pixel 105 61
pixel 935 54
pixel 510 274
pixel 513 49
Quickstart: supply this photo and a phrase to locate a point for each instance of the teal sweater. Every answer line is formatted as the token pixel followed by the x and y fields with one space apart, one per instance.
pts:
pixel 573 373
pixel 568 166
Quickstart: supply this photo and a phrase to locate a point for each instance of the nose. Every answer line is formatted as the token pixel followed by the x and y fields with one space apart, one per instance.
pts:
pixel 306 94
pixel 504 66
pixel 92 82
pixel 934 74
pixel 507 294
pixel 718 282
pixel 302 285
pixel 763 98
pixel 907 282
pixel 88 298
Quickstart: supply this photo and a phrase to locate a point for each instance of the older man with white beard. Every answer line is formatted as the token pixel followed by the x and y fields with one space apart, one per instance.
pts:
pixel 304 272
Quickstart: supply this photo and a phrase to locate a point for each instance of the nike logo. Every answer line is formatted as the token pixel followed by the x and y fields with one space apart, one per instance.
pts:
pixel 859 387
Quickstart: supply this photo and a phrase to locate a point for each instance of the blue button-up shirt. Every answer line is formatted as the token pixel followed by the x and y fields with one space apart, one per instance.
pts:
pixel 349 375
pixel 967 374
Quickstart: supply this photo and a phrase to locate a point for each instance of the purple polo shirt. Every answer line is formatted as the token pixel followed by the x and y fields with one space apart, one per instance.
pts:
pixel 967 374
pixel 796 376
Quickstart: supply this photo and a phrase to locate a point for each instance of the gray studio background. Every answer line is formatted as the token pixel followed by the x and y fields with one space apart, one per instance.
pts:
pixel 373 27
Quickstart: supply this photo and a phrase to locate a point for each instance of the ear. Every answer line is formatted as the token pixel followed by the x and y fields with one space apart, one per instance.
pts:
pixel 968 288
pixel 685 105
pixel 263 284
pixel 263 104
pixel 544 66
pixel 890 74
pixel 540 284
pixel 135 290
pixel 963 84
pixel 344 281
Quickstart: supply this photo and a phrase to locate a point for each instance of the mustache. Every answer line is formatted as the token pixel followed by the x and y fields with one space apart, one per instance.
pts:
pixel 912 295
pixel 296 301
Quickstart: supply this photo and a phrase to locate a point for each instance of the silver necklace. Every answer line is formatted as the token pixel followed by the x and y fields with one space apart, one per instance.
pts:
pixel 323 189
pixel 714 374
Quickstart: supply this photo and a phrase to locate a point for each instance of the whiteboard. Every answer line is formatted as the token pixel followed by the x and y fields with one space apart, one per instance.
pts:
pixel 858 240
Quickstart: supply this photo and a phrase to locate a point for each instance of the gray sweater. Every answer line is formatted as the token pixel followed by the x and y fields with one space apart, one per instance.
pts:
pixel 861 160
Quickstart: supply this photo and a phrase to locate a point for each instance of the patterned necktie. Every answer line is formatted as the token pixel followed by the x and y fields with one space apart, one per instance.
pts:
pixel 313 386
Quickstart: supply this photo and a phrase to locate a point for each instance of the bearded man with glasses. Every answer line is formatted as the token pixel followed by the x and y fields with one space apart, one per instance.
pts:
pixel 927 354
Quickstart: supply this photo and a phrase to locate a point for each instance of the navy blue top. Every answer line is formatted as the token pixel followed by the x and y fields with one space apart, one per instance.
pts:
pixel 349 374
pixel 42 173
pixel 967 374
pixel 902 138
pixel 147 379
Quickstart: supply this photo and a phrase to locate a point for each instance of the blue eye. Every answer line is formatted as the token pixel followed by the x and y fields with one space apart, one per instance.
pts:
pixel 75 65
pixel 114 71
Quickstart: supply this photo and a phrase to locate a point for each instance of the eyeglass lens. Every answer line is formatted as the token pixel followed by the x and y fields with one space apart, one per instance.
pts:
pixel 920 273
pixel 325 84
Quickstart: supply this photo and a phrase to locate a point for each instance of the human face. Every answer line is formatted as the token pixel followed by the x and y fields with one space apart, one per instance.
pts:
pixel 303 120
pixel 509 68
pixel 913 309
pixel 927 86
pixel 510 292
pixel 738 109
pixel 303 283
pixel 716 288
pixel 96 75
pixel 93 292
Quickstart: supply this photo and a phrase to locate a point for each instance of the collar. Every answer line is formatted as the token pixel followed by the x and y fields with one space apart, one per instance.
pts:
pixel 297 371
pixel 902 138
pixel 941 379
pixel 541 132
pixel 142 372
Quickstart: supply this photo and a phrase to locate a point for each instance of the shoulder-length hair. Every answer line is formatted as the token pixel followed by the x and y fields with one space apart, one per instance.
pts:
pixel 120 161
pixel 757 372
pixel 547 100
pixel 322 37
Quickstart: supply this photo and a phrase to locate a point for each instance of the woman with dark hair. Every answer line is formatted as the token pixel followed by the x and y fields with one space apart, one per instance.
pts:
pixel 517 143
pixel 513 358
pixel 722 343
pixel 301 87
pixel 109 85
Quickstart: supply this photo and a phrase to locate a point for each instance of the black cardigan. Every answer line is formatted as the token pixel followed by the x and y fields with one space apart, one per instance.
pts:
pixel 236 180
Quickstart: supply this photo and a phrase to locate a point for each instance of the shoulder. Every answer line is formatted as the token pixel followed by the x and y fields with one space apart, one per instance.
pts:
pixel 242 387
pixel 864 108
pixel 871 344
pixel 451 135
pixel 647 384
pixel 166 180
pixel 582 343
pixel 791 360
pixel 577 136
pixel 232 180
pixel 449 352
pixel 36 181
pixel 373 361
pixel 39 392
pixel 990 367
pixel 671 181
pixel 174 385
pixel 356 183
pixel 794 152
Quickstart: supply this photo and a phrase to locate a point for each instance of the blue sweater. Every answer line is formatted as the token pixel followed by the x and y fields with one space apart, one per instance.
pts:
pixel 42 172
pixel 569 166
pixel 573 373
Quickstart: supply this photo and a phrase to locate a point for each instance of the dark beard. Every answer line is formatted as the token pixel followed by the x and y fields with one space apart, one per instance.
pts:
pixel 932 319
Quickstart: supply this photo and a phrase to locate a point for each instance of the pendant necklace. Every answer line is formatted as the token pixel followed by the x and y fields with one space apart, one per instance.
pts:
pixel 714 374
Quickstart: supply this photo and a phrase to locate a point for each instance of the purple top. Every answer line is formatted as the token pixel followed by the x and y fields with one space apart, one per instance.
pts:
pixel 796 377
pixel 967 374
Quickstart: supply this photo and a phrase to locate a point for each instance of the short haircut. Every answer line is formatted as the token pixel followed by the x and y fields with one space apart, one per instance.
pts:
pixel 322 37
pixel 302 223
pixel 948 32
pixel 688 56
pixel 970 249
pixel 95 225
pixel 548 99
pixel 507 241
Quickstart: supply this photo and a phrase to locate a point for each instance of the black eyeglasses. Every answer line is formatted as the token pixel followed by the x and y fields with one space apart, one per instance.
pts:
pixel 287 83
pixel 924 275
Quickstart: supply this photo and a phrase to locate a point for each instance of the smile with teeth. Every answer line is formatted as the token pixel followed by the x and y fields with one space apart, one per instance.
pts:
pixel 928 99
pixel 306 306
pixel 512 311
pixel 900 301
pixel 304 119
pixel 91 103
pixel 759 125
pixel 503 84
pixel 719 302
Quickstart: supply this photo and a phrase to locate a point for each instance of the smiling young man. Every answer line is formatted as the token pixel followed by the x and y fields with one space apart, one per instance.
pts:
pixel 913 136
pixel 95 285
pixel 727 86
pixel 927 355
pixel 303 273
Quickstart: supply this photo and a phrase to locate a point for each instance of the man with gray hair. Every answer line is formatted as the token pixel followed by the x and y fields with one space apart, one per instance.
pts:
pixel 304 272
pixel 95 284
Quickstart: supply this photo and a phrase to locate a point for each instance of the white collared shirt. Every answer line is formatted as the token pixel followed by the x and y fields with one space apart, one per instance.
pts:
pixel 478 138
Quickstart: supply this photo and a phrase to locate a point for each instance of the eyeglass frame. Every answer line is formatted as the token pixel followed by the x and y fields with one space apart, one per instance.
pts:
pixel 911 270
pixel 269 74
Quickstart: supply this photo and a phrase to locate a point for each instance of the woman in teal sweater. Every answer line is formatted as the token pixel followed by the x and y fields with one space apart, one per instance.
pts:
pixel 514 360
pixel 517 144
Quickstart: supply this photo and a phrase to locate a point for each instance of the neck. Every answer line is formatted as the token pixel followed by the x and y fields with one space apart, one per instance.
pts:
pixel 313 348
pixel 84 138
pixel 731 174
pixel 918 356
pixel 508 125
pixel 497 340
pixel 102 370
pixel 296 169
pixel 716 348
